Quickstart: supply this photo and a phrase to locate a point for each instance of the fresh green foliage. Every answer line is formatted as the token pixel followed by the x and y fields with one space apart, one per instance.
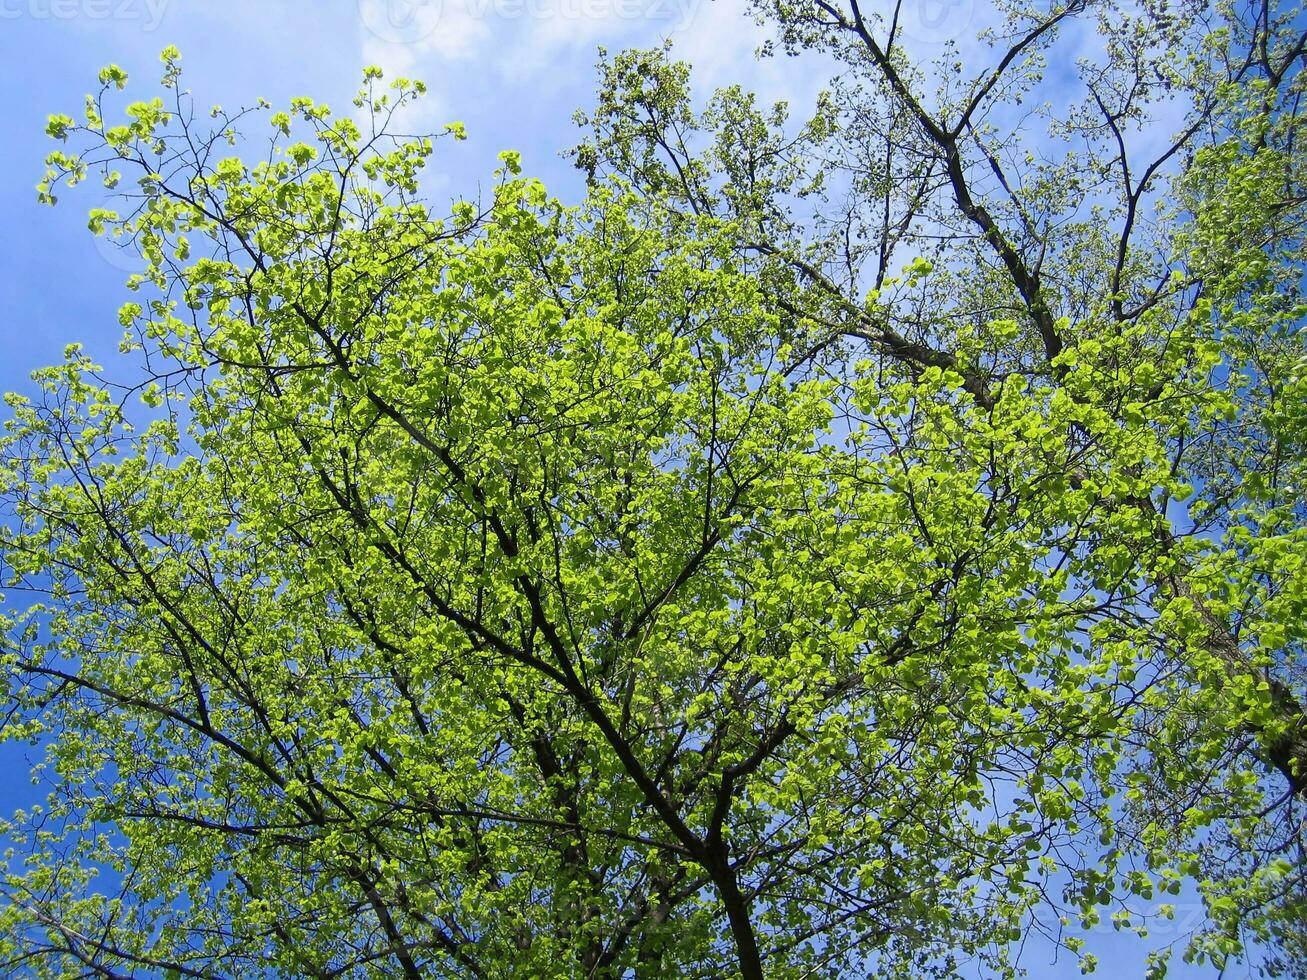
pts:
pixel 797 558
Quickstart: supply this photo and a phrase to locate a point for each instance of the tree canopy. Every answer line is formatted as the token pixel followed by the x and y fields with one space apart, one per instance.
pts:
pixel 841 545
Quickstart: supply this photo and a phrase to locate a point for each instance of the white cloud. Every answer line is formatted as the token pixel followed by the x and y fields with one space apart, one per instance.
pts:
pixel 542 42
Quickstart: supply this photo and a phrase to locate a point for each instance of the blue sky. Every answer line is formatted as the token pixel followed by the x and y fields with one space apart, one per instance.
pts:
pixel 512 70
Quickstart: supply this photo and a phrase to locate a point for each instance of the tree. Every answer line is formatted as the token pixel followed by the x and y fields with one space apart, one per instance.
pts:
pixel 668 584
